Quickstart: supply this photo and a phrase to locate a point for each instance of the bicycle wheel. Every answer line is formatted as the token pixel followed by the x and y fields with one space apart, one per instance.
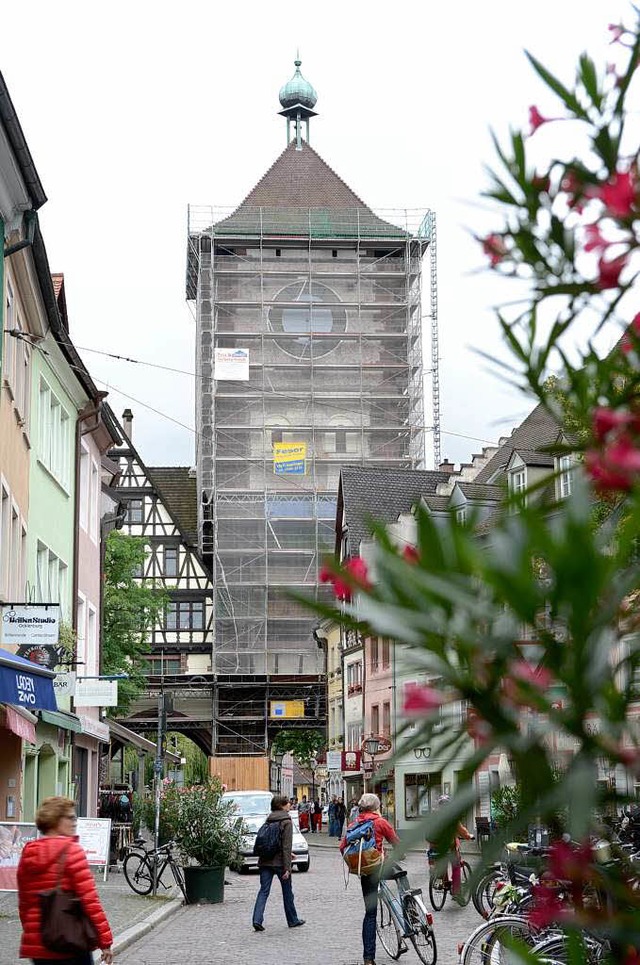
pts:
pixel 465 874
pixel 485 890
pixel 178 874
pixel 438 887
pixel 422 936
pixel 387 929
pixel 138 873
pixel 489 943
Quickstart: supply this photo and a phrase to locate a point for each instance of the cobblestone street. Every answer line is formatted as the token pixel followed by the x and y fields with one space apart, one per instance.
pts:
pixel 331 935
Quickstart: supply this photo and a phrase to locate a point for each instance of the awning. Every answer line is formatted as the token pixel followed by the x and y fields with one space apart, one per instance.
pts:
pixel 126 736
pixel 24 684
pixel 60 719
pixel 19 722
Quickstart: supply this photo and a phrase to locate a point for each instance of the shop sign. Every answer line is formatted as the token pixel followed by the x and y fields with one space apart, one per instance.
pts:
pixel 96 693
pixel 30 623
pixel 290 458
pixel 94 728
pixel 64 685
pixel 13 838
pixel 350 761
pixel 334 760
pixel 95 839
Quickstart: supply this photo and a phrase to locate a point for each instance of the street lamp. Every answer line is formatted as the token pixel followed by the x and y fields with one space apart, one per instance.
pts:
pixel 373 745
pixel 278 757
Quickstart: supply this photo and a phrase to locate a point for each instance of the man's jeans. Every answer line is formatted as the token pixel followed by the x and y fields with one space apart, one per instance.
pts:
pixel 266 877
pixel 370 894
pixel 82 958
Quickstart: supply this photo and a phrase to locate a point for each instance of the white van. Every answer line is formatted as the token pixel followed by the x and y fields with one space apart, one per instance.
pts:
pixel 253 807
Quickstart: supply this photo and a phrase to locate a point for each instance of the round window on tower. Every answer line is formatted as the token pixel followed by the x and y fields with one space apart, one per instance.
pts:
pixel 307 314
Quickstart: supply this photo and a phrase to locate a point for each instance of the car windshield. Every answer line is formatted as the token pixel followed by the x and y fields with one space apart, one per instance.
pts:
pixel 251 803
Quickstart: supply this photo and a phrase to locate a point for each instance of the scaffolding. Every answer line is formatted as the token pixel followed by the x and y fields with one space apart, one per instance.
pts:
pixel 327 302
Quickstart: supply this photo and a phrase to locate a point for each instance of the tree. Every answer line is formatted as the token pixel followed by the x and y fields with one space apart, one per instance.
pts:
pixel 129 610
pixel 302 744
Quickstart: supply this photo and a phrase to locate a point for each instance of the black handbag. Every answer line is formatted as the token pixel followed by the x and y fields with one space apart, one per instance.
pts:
pixel 64 923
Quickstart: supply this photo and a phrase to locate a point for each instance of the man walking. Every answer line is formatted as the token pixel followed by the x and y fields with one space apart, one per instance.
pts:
pixel 333 831
pixel 278 864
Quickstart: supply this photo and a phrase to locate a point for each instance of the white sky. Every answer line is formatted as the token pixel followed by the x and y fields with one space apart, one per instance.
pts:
pixel 134 109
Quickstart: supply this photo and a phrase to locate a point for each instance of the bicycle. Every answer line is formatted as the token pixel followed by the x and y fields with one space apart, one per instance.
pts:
pixel 404 916
pixel 139 868
pixel 440 883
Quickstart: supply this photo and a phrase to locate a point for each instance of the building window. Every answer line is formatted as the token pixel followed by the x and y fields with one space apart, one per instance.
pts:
pixel 385 652
pixel 461 515
pixel 386 719
pixel 354 678
pixel 375 719
pixel 81 635
pixel 170 568
pixel 92 649
pixel 158 666
pixel 374 654
pixel 354 737
pixel 185 615
pixel 565 470
pixel 54 434
pixel 135 511
pixel 416 795
pixel 518 484
pixel 51 578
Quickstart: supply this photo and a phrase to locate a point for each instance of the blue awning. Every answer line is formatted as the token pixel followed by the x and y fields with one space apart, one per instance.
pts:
pixel 24 684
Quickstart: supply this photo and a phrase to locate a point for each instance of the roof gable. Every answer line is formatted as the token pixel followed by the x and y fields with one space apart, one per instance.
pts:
pixel 538 432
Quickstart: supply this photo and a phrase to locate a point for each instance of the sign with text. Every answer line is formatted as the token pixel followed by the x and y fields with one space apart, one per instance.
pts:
pixel 334 760
pixel 30 623
pixel 351 761
pixel 64 685
pixel 13 838
pixel 290 458
pixel 231 365
pixel 96 693
pixel 95 839
pixel 286 709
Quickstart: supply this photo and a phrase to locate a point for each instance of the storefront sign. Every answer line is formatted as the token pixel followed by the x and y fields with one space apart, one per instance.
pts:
pixel 42 654
pixel 290 458
pixel 96 693
pixel 25 685
pixel 350 761
pixel 95 839
pixel 65 685
pixel 334 760
pixel 13 838
pixel 94 728
pixel 26 623
pixel 231 365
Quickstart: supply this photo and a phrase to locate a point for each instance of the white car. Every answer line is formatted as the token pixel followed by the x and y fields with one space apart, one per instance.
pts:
pixel 253 807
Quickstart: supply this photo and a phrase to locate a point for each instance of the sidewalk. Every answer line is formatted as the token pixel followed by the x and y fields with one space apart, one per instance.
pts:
pixel 322 840
pixel 129 915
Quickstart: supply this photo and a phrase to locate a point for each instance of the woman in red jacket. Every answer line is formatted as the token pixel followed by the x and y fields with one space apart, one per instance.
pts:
pixel 369 805
pixel 38 871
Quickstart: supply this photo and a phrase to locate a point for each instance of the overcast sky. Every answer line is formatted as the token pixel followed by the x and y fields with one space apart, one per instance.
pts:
pixel 132 110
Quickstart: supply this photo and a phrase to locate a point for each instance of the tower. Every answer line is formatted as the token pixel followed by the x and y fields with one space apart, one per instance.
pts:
pixel 308 313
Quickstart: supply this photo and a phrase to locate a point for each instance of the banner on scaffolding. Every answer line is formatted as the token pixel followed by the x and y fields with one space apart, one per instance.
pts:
pixel 290 458
pixel 231 365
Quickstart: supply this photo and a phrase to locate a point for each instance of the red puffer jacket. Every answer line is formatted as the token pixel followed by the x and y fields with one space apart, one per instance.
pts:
pixel 38 871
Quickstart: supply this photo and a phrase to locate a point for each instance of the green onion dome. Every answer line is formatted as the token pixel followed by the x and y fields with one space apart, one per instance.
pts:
pixel 298 91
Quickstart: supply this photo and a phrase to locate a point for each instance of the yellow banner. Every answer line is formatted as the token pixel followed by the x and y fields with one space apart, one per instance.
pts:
pixel 283 709
pixel 290 458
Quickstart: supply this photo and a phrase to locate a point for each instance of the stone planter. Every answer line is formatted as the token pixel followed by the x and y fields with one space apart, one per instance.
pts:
pixel 204 885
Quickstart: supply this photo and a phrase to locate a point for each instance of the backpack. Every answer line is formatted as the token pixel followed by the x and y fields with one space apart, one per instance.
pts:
pixel 361 854
pixel 268 838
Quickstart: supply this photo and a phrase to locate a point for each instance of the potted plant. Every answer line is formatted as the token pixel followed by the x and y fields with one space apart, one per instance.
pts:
pixel 209 832
pixel 144 810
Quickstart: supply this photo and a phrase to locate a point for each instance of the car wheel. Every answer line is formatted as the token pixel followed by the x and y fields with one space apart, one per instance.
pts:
pixel 304 867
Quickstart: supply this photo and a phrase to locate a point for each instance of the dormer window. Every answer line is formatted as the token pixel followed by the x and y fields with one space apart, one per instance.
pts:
pixel 518 482
pixel 565 471
pixel 461 515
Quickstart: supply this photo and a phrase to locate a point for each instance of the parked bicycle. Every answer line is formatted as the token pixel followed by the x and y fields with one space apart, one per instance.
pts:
pixel 403 915
pixel 440 881
pixel 139 867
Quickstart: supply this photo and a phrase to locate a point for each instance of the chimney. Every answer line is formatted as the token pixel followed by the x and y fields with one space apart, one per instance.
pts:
pixel 447 466
pixel 127 423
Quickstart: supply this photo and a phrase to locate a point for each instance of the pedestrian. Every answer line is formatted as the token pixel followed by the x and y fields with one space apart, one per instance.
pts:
pixel 304 809
pixel 354 811
pixel 317 817
pixel 41 862
pixel 280 865
pixel 333 823
pixel 369 810
pixel 456 872
pixel 341 813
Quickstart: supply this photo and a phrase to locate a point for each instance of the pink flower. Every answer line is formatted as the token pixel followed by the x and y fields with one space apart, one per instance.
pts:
pixel 604 478
pixel 411 554
pixel 609 272
pixel 623 454
pixel 477 728
pixel 547 907
pixel 619 194
pixel 541 182
pixel 420 700
pixel 617 31
pixel 355 571
pixel 606 420
pixel 538 677
pixel 570 862
pixel 631 336
pixel 494 246
pixel 536 119
pixel 594 239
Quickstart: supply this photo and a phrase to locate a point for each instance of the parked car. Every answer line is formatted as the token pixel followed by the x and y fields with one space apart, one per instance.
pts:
pixel 253 807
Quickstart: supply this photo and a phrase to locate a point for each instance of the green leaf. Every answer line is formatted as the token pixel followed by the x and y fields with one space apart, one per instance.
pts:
pixel 589 79
pixel 569 99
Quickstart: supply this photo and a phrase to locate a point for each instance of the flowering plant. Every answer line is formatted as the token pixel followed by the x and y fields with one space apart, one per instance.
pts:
pixel 207 828
pixel 535 625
